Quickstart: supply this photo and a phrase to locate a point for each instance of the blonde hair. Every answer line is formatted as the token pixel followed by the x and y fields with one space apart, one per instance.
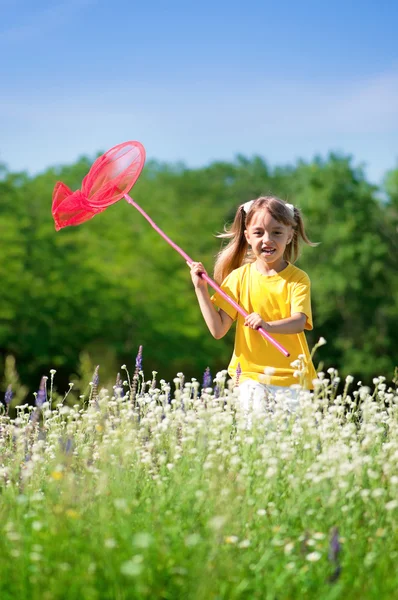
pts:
pixel 235 253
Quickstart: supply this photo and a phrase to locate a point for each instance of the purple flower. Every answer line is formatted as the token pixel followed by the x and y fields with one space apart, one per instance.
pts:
pixel 8 396
pixel 96 377
pixel 207 378
pixel 66 445
pixel 334 551
pixel 41 395
pixel 238 373
pixel 334 545
pixel 138 360
pixel 118 387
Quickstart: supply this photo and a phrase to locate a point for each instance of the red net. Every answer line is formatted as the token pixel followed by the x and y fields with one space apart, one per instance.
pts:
pixel 111 177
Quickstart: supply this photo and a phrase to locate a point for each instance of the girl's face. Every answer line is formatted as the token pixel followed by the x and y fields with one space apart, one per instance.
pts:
pixel 268 239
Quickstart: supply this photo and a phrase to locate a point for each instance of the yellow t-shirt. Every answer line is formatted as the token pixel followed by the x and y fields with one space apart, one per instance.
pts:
pixel 272 297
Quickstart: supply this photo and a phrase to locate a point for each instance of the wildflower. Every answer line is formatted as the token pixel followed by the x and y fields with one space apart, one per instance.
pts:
pixel 142 540
pixel 231 539
pixel 217 522
pixel 244 544
pixel 207 378
pixel 238 373
pixel 96 376
pixel 391 505
pixel 94 384
pixel 289 547
pixel 118 387
pixel 8 396
pixel 120 504
pixel 41 395
pixel 192 540
pixel 321 342
pixel 314 556
pixel 131 568
pixel 334 545
pixel 138 360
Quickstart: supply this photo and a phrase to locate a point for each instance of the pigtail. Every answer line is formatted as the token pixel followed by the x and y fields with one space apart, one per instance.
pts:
pixel 232 256
pixel 292 250
pixel 236 253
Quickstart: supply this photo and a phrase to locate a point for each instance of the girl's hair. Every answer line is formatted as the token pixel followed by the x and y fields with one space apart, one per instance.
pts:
pixel 236 253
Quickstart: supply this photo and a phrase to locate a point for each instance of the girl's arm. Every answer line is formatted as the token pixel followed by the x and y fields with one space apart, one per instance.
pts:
pixel 294 324
pixel 218 322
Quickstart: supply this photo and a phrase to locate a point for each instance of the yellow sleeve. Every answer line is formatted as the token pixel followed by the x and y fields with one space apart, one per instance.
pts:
pixel 301 300
pixel 231 286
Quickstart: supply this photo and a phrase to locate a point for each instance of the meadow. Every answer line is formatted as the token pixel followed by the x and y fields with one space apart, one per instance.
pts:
pixel 169 491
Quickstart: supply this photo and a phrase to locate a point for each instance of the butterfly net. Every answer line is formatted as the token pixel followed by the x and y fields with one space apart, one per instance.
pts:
pixel 111 176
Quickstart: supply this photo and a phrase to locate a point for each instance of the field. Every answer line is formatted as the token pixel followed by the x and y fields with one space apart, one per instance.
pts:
pixel 151 490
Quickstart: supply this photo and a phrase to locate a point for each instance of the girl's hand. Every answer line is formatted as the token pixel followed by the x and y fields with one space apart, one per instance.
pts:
pixel 196 270
pixel 255 321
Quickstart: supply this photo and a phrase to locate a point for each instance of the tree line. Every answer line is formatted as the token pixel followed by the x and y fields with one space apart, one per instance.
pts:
pixel 104 288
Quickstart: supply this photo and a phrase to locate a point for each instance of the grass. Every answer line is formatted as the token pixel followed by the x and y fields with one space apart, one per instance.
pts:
pixel 136 495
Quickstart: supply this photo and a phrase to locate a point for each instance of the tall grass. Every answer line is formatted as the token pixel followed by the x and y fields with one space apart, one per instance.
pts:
pixel 177 494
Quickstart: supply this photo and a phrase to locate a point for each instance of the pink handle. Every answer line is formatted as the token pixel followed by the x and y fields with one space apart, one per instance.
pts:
pixel 212 283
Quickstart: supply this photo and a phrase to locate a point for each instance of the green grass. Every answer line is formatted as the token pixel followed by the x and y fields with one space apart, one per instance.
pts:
pixel 125 498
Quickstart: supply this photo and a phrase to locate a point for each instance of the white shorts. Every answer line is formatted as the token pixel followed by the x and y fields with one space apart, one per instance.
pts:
pixel 258 397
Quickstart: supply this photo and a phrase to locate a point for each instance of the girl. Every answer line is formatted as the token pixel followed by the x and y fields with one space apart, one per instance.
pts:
pixel 256 269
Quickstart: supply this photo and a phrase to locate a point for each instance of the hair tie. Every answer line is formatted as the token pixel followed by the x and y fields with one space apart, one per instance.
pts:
pixel 247 206
pixel 290 207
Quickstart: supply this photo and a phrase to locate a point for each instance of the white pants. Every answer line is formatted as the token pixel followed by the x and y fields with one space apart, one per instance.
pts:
pixel 258 397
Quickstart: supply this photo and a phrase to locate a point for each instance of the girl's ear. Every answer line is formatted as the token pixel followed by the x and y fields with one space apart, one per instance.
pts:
pixel 246 235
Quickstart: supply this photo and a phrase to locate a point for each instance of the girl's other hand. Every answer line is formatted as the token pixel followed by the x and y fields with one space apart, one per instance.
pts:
pixel 196 270
pixel 255 321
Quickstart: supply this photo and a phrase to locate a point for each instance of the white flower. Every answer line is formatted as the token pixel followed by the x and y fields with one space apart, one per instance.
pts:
pixel 142 540
pixel 289 547
pixel 231 539
pixel 217 522
pixel 131 568
pixel 313 556
pixel 391 505
pixel 192 540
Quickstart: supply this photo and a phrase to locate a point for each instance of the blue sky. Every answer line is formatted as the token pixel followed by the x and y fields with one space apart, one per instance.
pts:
pixel 199 81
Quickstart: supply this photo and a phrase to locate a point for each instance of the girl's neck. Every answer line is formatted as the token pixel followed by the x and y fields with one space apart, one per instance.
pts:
pixel 270 269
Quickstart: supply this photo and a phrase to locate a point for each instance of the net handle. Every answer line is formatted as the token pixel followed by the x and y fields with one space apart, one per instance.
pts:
pixel 212 283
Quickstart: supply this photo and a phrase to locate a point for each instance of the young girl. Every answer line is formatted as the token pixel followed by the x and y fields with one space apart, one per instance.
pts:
pixel 256 269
